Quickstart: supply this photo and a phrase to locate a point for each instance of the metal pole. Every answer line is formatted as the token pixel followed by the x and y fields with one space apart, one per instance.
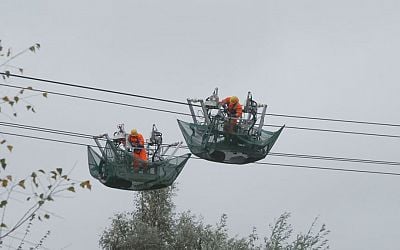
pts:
pixel 205 112
pixel 192 111
pixel 261 120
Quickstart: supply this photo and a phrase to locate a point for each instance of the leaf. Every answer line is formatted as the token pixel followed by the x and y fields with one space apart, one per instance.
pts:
pixel 59 170
pixel 16 99
pixel 32 48
pixel 21 91
pixel 28 199
pixel 41 202
pixel 45 94
pixel 3 141
pixel 11 103
pixel 6 99
pixel 22 184
pixel 37 45
pixel 4 183
pixel 72 189
pixel 10 148
pixel 30 88
pixel 3 203
pixel 41 171
pixel 49 198
pixel 3 163
pixel 15 114
pixel 3 225
pixel 34 175
pixel 33 110
pixel 28 107
pixel 86 184
pixel 7 73
pixel 21 70
pixel 8 52
pixel 9 177
pixel 46 216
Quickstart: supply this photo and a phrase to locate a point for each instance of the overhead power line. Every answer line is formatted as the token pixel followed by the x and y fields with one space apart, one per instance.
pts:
pixel 276 154
pixel 97 100
pixel 185 103
pixel 93 88
pixel 327 168
pixel 334 120
pixel 187 114
pixel 43 138
pixel 258 163
pixel 48 130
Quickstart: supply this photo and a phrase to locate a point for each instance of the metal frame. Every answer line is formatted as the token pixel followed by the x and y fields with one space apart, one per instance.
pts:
pixel 212 102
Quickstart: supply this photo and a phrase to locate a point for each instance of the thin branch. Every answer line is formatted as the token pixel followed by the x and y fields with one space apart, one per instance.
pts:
pixel 11 58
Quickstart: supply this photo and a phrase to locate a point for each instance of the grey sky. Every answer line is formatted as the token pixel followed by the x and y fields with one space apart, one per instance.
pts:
pixel 334 59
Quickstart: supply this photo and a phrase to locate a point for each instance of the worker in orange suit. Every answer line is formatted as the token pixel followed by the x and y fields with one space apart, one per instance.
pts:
pixel 234 111
pixel 139 152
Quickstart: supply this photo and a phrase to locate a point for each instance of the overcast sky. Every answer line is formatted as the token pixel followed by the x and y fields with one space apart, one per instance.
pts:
pixel 336 59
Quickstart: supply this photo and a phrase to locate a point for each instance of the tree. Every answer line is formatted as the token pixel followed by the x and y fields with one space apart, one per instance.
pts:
pixel 38 188
pixel 281 232
pixel 154 225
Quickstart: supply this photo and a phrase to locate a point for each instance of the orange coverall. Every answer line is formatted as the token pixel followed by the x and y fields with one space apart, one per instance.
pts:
pixel 235 110
pixel 139 151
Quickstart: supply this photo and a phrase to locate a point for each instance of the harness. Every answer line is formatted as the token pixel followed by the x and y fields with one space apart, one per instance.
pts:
pixel 232 111
pixel 135 142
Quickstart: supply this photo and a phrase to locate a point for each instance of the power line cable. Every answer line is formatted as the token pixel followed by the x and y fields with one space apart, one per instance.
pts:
pixel 327 168
pixel 277 154
pixel 40 129
pixel 93 88
pixel 258 163
pixel 334 120
pixel 184 103
pixel 336 131
pixel 43 138
pixel 333 158
pixel 98 100
pixel 187 114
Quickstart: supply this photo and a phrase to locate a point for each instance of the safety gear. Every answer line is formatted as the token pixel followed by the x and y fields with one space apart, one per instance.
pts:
pixel 235 109
pixel 134 132
pixel 137 141
pixel 234 99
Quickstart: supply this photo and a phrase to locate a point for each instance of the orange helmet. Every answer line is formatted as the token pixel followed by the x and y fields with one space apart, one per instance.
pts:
pixel 134 132
pixel 234 99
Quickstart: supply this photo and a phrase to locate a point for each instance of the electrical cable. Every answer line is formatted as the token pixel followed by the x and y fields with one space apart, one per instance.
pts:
pixel 327 168
pixel 92 88
pixel 187 114
pixel 258 163
pixel 43 138
pixel 98 100
pixel 277 154
pixel 184 103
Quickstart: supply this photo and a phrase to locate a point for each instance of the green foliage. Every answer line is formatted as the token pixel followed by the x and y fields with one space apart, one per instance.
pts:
pixel 39 188
pixel 281 233
pixel 154 225
pixel 7 69
pixel 42 190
